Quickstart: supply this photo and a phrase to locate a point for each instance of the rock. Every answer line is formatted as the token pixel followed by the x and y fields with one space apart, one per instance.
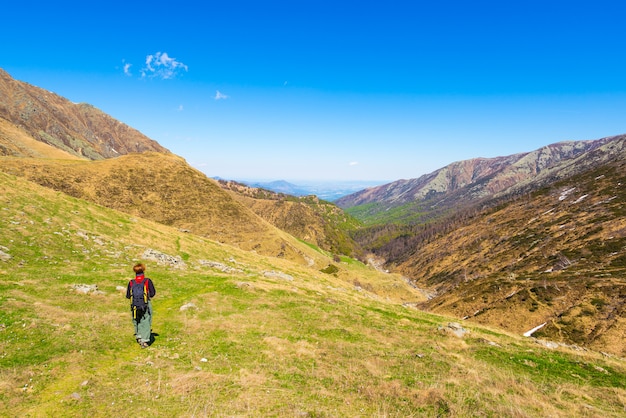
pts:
pixel 220 266
pixel 278 275
pixel 4 256
pixel 188 306
pixel 244 285
pixel 162 258
pixel 455 329
pixel 87 289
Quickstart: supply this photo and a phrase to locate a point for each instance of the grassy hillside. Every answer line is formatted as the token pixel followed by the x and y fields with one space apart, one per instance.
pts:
pixel 239 334
pixel 165 189
pixel 307 217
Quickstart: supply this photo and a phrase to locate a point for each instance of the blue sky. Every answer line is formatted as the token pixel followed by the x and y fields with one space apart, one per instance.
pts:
pixel 341 90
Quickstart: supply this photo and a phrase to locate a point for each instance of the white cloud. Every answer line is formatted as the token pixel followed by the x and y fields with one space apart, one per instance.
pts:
pixel 180 108
pixel 161 65
pixel 127 68
pixel 353 163
pixel 220 96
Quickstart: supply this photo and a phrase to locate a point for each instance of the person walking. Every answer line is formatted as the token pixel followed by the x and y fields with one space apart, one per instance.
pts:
pixel 140 291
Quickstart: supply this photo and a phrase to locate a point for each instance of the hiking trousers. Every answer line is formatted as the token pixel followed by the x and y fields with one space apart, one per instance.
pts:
pixel 143 325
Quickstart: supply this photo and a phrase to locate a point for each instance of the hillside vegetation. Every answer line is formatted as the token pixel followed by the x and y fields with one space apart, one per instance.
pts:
pixel 306 217
pixel 165 189
pixel 554 257
pixel 240 334
pixel 259 309
pixel 546 253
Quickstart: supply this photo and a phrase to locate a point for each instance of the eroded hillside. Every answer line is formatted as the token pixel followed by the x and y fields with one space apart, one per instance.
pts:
pixel 465 184
pixel 555 259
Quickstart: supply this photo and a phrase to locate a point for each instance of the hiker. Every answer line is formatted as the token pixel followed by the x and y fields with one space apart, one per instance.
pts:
pixel 140 291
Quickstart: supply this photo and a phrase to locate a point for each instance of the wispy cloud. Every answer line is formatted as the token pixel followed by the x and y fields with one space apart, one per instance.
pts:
pixel 352 163
pixel 127 68
pixel 220 96
pixel 161 65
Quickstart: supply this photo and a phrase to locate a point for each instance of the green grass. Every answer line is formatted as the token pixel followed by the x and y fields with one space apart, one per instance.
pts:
pixel 254 345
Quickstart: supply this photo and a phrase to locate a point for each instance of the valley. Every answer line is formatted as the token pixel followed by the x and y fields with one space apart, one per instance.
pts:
pixel 492 287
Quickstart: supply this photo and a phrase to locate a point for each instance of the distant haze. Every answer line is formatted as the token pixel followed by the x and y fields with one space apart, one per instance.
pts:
pixel 324 189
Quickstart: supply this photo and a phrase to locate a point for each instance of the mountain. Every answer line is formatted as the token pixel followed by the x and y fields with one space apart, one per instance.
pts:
pixel 551 255
pixel 325 190
pixel 466 183
pixel 162 187
pixel 280 186
pixel 101 163
pixel 78 129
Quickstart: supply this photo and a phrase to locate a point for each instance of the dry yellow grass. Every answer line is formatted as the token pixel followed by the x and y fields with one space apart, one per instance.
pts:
pixel 17 142
pixel 298 342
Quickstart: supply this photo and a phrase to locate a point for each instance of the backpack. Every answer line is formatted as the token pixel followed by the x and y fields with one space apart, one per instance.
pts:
pixel 139 296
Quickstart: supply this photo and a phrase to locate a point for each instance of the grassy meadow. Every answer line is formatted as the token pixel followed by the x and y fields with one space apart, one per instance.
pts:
pixel 237 334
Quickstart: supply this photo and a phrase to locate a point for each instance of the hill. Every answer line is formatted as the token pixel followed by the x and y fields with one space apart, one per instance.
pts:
pixel 42 135
pixel 78 129
pixel 307 217
pixel 240 334
pixel 16 141
pixel 550 258
pixel 164 189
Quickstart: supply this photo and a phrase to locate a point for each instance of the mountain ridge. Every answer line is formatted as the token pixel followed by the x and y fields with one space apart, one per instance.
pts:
pixel 551 253
pixel 465 183
pixel 79 129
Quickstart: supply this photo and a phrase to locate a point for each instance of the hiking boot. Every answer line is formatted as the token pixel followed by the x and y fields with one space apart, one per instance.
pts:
pixel 143 344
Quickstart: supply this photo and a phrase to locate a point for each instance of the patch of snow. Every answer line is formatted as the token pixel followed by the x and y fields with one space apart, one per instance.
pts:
pixel 532 331
pixel 565 193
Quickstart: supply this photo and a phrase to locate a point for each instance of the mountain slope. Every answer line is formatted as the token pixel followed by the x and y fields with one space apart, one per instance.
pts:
pixel 239 334
pixel 78 129
pixel 17 142
pixel 158 187
pixel 465 183
pixel 553 258
pixel 165 189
